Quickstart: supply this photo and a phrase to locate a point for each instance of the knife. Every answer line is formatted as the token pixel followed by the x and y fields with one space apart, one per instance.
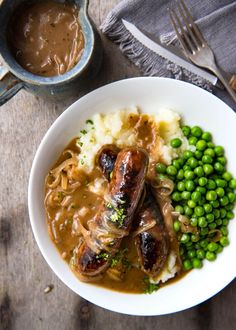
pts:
pixel 169 52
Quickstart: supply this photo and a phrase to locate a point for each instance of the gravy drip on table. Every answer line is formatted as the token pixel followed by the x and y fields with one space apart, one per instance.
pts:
pixel 64 208
pixel 46 37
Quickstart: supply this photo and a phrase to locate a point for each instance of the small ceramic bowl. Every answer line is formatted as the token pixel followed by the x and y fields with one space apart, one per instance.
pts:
pixel 196 107
pixel 13 77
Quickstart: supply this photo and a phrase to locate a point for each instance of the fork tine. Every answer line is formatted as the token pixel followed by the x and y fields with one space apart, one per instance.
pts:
pixel 177 32
pixel 194 26
pixel 188 25
pixel 190 47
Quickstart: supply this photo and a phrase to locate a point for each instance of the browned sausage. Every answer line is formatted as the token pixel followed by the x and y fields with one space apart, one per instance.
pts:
pixel 152 240
pixel 114 219
pixel 152 244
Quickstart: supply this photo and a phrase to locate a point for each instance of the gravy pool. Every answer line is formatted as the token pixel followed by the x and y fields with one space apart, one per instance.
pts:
pixel 45 37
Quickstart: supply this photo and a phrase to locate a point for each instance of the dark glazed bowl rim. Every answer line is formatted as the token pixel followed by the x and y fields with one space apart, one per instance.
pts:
pixel 30 78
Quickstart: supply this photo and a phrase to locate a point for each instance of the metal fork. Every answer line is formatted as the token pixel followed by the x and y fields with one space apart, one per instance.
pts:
pixel 194 44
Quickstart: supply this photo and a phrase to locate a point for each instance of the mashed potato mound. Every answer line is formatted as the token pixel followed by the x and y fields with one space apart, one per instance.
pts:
pixel 112 128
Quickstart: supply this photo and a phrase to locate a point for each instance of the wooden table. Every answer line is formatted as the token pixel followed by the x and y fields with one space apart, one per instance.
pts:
pixel 24 273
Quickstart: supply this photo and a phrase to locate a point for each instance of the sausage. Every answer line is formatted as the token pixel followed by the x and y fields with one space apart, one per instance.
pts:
pixel 152 244
pixel 114 219
pixel 106 159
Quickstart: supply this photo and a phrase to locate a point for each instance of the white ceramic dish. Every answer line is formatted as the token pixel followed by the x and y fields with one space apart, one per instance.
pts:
pixel 197 107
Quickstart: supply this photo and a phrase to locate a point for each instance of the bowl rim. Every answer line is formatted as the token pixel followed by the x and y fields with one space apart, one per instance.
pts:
pixel 30 193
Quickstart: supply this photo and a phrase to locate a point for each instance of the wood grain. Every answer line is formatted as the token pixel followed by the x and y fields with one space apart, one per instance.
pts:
pixel 23 272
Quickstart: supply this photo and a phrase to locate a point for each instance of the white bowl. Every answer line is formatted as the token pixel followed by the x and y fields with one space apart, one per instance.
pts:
pixel 197 107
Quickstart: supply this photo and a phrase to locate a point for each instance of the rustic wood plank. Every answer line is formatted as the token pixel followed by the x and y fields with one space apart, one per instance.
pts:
pixel 23 272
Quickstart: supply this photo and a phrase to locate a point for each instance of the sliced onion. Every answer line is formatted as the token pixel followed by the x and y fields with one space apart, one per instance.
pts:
pixel 163 186
pixel 142 228
pixel 218 235
pixel 67 162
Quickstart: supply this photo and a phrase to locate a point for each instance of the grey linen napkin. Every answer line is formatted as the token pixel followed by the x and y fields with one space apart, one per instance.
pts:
pixel 216 19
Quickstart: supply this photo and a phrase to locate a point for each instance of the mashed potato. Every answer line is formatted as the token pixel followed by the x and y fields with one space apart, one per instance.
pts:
pixel 112 128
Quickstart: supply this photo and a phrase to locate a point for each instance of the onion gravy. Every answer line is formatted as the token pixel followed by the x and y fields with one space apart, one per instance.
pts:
pixel 46 37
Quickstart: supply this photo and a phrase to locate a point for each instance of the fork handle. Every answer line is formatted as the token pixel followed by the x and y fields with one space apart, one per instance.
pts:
pixel 218 73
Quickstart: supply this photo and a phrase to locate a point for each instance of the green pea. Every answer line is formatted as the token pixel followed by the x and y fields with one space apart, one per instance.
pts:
pixel 219 151
pixel 202 181
pixel 176 164
pixel 181 186
pixel 219 167
pixel 201 145
pixel 200 254
pixel 198 154
pixel 207 136
pixel 210 145
pixel 191 253
pixel 196 263
pixel 222 160
pixel 224 241
pixel 187 210
pixel 224 230
pixel 225 222
pixel 189 245
pixel 218 222
pixel 186 168
pixel 224 201
pixel 176 226
pixel 212 246
pixel 215 204
pixel 186 195
pixel 207 208
pixel 192 162
pixel 199 211
pixel 232 184
pixel 202 201
pixel 209 152
pixel 187 154
pixel 193 221
pixel 189 175
pixel 171 170
pixel 176 196
pixel 221 183
pixel 202 190
pixel 199 171
pixel 184 238
pixel 227 176
pixel 220 191
pixel 223 213
pixel 210 217
pixel 216 213
pixel 195 238
pixel 210 256
pixel 180 209
pixel 187 265
pixel 175 143
pixel 204 243
pixel 212 225
pixel 220 249
pixel 211 185
pixel 230 215
pixel 196 131
pixel 202 223
pixel 191 204
pixel 189 184
pixel 231 197
pixel 206 159
pixel 196 196
pixel 192 140
pixel 161 168
pixel 186 130
pixel 229 207
pixel 180 174
pixel 211 195
pixel 208 169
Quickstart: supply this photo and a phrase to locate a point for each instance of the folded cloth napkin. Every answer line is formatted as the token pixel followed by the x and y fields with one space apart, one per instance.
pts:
pixel 216 19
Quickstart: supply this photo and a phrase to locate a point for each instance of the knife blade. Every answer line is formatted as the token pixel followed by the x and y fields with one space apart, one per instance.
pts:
pixel 168 52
